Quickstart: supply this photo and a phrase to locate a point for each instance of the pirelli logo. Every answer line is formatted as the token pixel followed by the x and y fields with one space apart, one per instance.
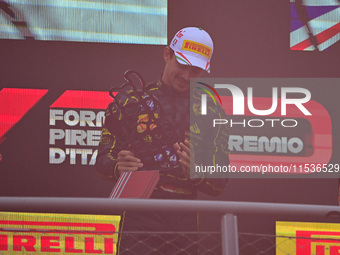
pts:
pixel 304 238
pixel 37 233
pixel 197 48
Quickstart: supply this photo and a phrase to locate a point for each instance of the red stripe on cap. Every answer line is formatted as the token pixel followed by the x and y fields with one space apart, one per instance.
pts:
pixel 179 53
pixel 207 65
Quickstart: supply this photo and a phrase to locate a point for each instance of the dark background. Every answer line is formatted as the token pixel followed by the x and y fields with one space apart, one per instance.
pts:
pixel 251 39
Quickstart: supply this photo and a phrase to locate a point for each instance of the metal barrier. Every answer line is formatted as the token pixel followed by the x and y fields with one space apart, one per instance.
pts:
pixel 232 242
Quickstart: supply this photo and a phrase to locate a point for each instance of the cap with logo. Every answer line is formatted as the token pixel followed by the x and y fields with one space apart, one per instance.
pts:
pixel 193 46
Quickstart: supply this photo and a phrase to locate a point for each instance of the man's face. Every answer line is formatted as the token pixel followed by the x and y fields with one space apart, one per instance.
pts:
pixel 177 75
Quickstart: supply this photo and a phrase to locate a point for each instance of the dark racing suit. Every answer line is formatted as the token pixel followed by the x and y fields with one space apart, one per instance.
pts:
pixel 210 147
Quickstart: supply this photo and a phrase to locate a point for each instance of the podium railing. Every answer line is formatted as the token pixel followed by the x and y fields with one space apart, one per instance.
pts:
pixel 229 236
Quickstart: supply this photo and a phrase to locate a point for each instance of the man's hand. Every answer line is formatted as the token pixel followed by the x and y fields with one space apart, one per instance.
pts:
pixel 183 151
pixel 127 162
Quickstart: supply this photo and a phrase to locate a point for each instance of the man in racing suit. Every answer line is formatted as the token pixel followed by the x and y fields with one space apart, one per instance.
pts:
pixel 209 147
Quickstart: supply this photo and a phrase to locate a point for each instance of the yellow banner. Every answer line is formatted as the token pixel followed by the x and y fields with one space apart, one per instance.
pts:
pixel 307 238
pixel 46 233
